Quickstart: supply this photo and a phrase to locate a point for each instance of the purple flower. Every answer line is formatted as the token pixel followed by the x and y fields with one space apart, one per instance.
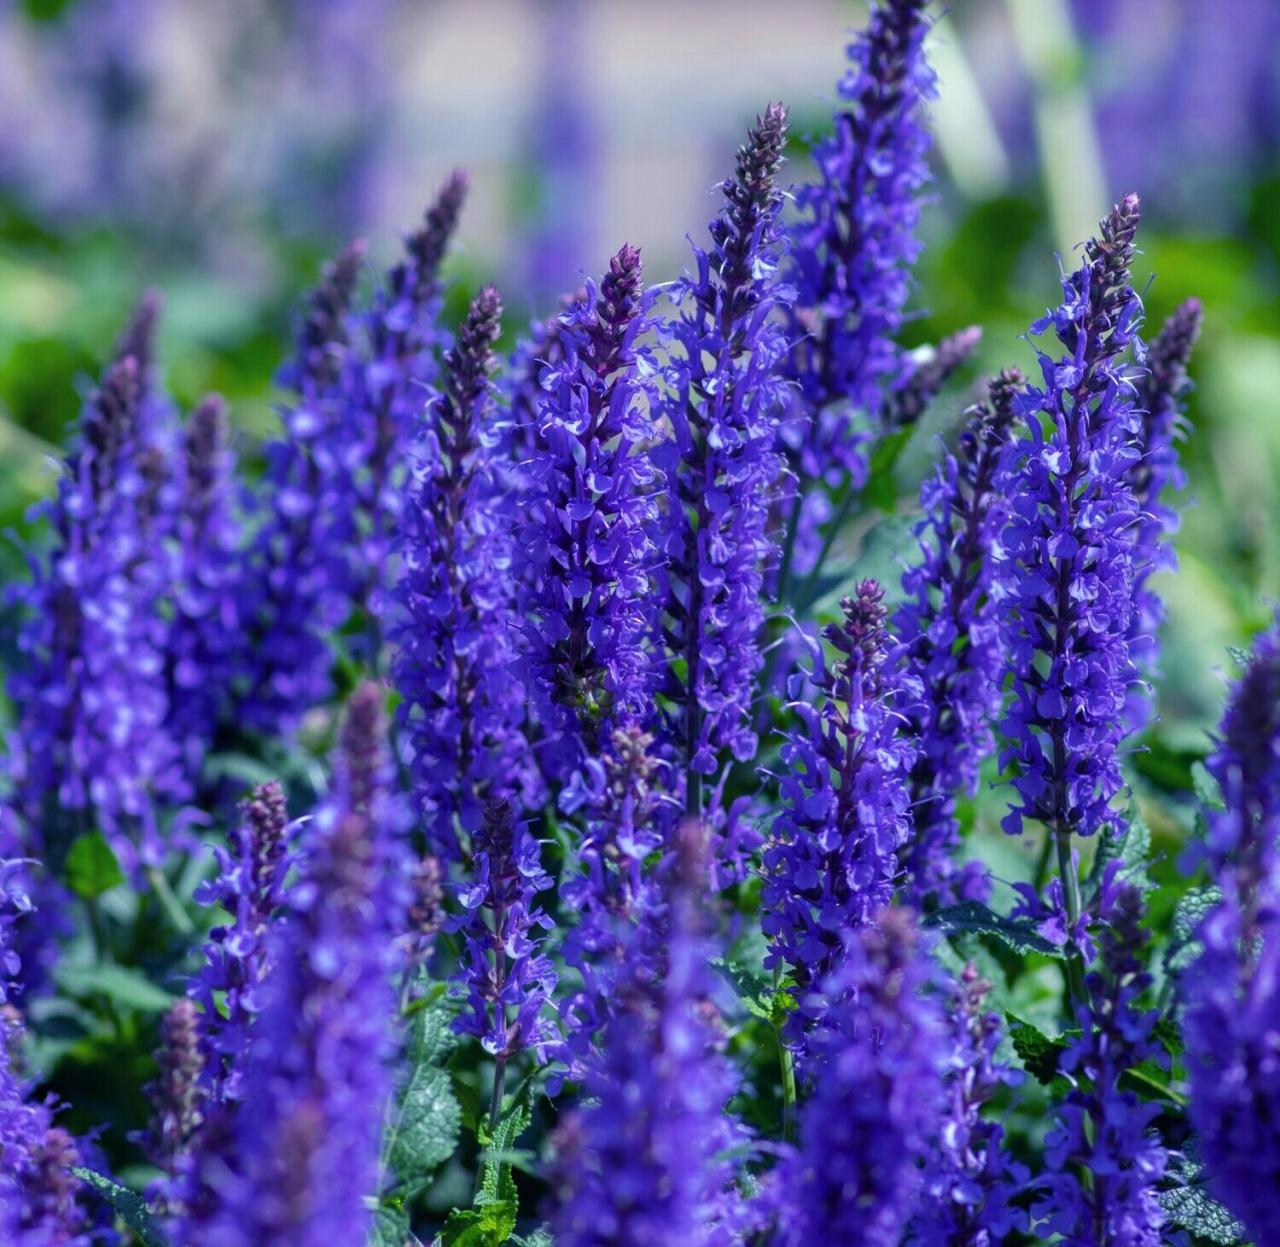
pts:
pixel 1232 1005
pixel 1102 1128
pixel 463 707
pixel 723 400
pixel 92 746
pixel 952 649
pixel 204 632
pixel 294 1165
pixel 876 1098
pixel 830 863
pixel 969 1180
pixel 1066 562
pixel 925 371
pixel 505 977
pixel 251 887
pixel 1160 398
pixel 298 583
pixel 649 1160
pixel 589 514
pixel 851 253
pixel 398 359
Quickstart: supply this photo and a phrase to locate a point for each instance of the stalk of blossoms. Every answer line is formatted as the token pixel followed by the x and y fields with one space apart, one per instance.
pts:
pixel 877 1095
pixel 723 400
pixel 626 812
pixel 299 584
pixel 1161 399
pixel 969 1180
pixel 251 887
pixel 849 260
pixel 177 1097
pixel 1103 1130
pixel 586 541
pixel 298 1160
pixel 463 708
pixel 1064 585
pixel 830 863
pixel 1232 1008
pixel 91 747
pixel 649 1158
pixel 506 979
pixel 203 634
pixel 952 649
pixel 402 335
pixel 927 370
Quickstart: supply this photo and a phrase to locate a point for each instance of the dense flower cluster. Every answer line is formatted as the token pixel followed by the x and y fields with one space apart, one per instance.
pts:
pixel 851 253
pixel 723 400
pixel 952 644
pixel 1232 1001
pixel 294 1165
pixel 1103 1127
pixel 830 863
pixel 586 538
pixel 879 1056
pixel 455 634
pixel 926 370
pixel 1064 585
pixel 178 1097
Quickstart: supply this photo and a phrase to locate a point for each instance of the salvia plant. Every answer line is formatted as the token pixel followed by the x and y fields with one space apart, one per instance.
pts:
pixel 523 804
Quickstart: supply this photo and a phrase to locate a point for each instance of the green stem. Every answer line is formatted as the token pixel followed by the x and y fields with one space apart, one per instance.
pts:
pixel 169 902
pixel 1042 863
pixel 495 1100
pixel 1071 886
pixel 786 1065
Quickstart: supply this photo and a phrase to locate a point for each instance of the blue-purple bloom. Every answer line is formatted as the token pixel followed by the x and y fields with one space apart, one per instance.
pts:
pixel 851 253
pixel 969 1179
pixel 723 400
pixel 1161 398
pixel 589 514
pixel 506 979
pixel 831 861
pixel 1066 559
pixel 298 585
pixel 295 1165
pixel 951 639
pixel 455 631
pixel 1232 1001
pixel 649 1160
pixel 251 887
pixel 1104 1128
pixel 876 1098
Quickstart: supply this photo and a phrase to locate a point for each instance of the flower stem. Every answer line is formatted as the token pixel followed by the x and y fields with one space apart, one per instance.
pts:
pixel 786 1065
pixel 1071 888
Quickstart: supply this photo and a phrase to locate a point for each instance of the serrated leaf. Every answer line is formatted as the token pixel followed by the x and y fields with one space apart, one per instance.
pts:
pixel 489 1225
pixel 1038 1053
pixel 424 1130
pixel 1192 908
pixel 541 1237
pixel 91 866
pixel 1191 1209
pixel 129 1204
pixel 754 991
pixel 1207 790
pixel 390 1228
pixel 1130 845
pixel 120 984
pixel 498 1185
pixel 972 918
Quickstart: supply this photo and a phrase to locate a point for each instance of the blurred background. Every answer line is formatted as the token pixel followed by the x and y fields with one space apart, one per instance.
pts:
pixel 220 151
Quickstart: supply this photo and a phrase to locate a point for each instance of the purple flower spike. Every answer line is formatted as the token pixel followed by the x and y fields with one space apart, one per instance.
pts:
pixel 463 707
pixel 1066 559
pixel 506 979
pixel 830 863
pixel 299 584
pixel 723 403
pixel 1161 399
pixel 1232 1006
pixel 952 646
pixel 587 541
pixel 1103 1129
pixel 877 1095
pixel 251 887
pixel 295 1164
pixel 178 1098
pixel 851 254
pixel 927 370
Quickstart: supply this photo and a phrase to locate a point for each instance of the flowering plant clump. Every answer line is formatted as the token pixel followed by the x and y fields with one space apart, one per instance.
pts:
pixel 565 791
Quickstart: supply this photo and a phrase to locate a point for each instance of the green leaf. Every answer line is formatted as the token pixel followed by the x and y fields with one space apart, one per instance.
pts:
pixel 129 1204
pixel 881 490
pixel 1207 790
pixel 1038 1053
pixel 751 984
pixel 541 1237
pixel 1151 1082
pixel 424 1131
pixel 120 984
pixel 1130 845
pixel 92 868
pixel 974 919
pixel 488 1225
pixel 390 1228
pixel 1191 1209
pixel 1193 907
